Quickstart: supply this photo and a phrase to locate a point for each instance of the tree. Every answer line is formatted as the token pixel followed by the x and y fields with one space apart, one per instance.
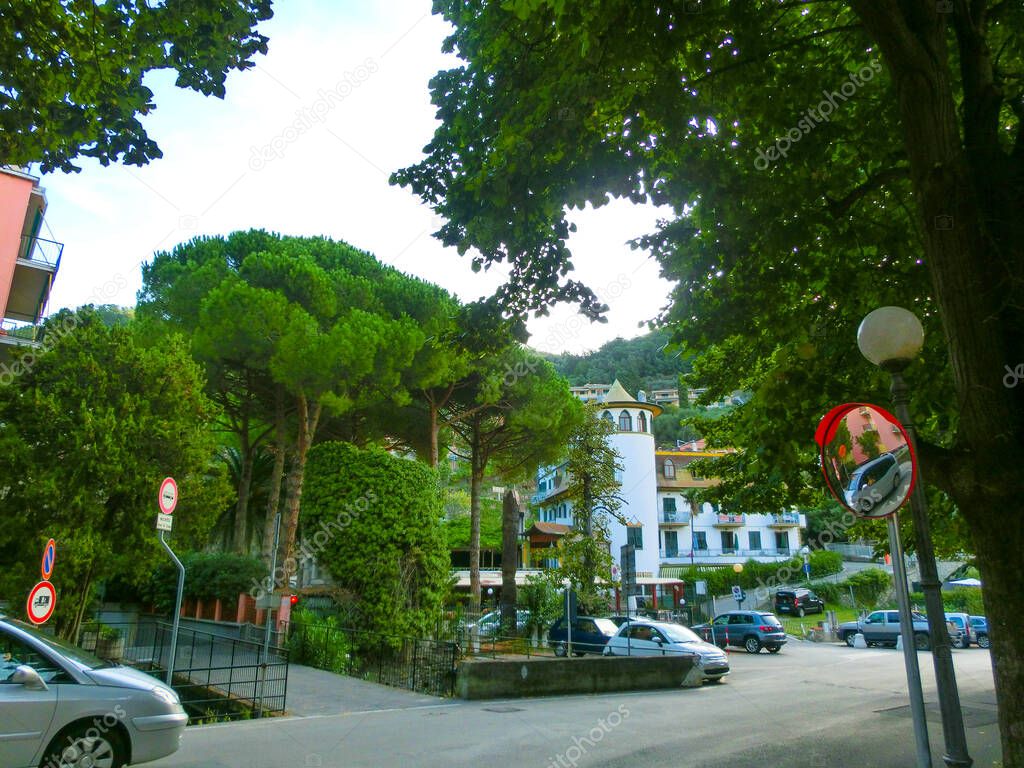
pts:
pixel 90 428
pixel 517 415
pixel 71 73
pixel 593 491
pixel 802 148
pixel 375 522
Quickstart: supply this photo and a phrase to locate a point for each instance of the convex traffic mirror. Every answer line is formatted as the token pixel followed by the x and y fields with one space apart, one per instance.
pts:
pixel 866 458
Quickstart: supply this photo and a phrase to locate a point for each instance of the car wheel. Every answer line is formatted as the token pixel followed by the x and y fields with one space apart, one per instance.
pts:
pixel 774 648
pixel 961 642
pixel 922 642
pixel 848 637
pixel 561 650
pixel 578 653
pixel 714 680
pixel 801 612
pixel 752 644
pixel 983 641
pixel 83 746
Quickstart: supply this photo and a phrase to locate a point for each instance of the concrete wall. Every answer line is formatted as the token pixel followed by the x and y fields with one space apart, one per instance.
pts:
pixel 499 679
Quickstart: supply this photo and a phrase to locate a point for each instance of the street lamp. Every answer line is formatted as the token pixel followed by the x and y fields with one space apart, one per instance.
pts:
pixel 891 337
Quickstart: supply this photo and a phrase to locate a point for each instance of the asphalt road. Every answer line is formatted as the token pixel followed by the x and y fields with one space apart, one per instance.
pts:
pixel 810 705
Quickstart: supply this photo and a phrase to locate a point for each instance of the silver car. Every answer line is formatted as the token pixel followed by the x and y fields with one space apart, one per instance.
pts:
pixel 61 707
pixel 873 482
pixel 639 637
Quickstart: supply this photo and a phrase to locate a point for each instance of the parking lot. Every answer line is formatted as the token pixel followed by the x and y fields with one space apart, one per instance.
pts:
pixel 810 705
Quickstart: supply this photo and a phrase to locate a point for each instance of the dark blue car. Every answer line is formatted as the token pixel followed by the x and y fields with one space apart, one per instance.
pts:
pixel 589 635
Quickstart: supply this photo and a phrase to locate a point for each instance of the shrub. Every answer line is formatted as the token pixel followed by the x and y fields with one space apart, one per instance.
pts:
pixel 374 521
pixel 868 586
pixel 825 563
pixel 965 600
pixel 543 600
pixel 208 576
pixel 318 642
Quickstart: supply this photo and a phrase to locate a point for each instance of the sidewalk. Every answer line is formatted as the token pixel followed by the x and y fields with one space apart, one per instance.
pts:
pixel 316 692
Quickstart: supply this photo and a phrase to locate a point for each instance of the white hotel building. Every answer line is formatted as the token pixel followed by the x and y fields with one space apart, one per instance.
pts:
pixel 666 526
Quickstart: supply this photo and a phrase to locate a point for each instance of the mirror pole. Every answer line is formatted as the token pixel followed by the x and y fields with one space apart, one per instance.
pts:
pixel 955 738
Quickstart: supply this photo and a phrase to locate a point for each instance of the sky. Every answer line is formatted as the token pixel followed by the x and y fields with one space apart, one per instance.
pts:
pixel 303 144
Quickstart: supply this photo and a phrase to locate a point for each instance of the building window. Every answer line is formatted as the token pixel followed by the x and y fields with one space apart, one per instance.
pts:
pixel 755 539
pixel 669 469
pixel 700 540
pixel 607 416
pixel 670 504
pixel 641 422
pixel 728 541
pixel 635 536
pixel 625 422
pixel 782 541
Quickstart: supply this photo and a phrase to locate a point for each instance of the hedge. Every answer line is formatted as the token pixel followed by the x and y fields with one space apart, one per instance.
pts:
pixel 964 600
pixel 208 576
pixel 756 575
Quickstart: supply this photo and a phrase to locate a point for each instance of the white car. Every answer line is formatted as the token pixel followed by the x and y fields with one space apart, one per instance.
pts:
pixel 639 637
pixel 61 706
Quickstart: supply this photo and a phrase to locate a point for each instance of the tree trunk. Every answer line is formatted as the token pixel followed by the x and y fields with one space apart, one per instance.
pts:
pixel 963 197
pixel 435 428
pixel 477 464
pixel 274 498
pixel 509 557
pixel 308 416
pixel 239 538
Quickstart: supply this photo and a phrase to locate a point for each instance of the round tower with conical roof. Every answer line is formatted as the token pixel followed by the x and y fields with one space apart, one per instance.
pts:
pixel 633 439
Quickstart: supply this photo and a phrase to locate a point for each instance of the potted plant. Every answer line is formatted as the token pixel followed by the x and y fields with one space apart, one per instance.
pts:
pixel 110 644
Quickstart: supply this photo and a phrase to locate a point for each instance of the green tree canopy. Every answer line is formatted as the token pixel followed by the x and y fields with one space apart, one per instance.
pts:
pixel 71 72
pixel 90 428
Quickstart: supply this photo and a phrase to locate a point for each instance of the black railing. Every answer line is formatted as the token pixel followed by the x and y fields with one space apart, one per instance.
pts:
pixel 426 666
pixel 217 677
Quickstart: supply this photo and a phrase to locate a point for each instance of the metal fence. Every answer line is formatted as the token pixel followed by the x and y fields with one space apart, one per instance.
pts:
pixel 217 677
pixel 426 666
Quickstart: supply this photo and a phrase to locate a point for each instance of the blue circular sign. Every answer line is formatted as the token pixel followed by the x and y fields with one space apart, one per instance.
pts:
pixel 49 555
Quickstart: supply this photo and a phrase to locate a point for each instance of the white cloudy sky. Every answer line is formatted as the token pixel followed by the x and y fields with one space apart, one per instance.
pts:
pixel 331 180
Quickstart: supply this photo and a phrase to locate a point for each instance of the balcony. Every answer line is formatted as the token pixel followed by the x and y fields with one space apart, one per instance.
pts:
pixel 14 334
pixel 34 272
pixel 682 555
pixel 723 520
pixel 785 520
pixel 670 519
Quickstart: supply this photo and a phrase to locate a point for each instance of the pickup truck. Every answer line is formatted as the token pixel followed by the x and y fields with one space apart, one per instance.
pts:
pixel 883 628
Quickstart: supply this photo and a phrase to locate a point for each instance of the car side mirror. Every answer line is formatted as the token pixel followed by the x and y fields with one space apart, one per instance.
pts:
pixel 658 640
pixel 26 676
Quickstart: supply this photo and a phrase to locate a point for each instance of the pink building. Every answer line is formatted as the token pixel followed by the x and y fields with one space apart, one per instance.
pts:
pixel 868 421
pixel 28 262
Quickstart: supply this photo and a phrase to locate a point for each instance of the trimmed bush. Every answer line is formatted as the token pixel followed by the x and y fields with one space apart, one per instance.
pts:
pixel 374 521
pixel 825 563
pixel 964 600
pixel 208 576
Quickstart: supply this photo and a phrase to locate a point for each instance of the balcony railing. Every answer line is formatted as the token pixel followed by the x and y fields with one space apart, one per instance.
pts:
pixel 667 517
pixel 702 555
pixel 18 333
pixel 723 518
pixel 785 519
pixel 41 251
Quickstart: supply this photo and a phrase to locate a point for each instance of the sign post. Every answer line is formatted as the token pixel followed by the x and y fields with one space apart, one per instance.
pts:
pixel 167 500
pixel 737 595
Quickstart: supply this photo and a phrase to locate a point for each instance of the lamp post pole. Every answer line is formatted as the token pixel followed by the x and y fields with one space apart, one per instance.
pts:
pixel 942 656
pixel 891 337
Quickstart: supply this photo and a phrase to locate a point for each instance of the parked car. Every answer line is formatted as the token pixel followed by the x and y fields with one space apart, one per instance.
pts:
pixel 883 628
pixel 643 637
pixel 966 632
pixel 589 635
pixel 751 630
pixel 489 625
pixel 980 626
pixel 63 706
pixel 799 601
pixel 872 482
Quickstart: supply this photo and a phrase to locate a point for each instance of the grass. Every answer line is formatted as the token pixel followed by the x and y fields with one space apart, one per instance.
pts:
pixel 792 623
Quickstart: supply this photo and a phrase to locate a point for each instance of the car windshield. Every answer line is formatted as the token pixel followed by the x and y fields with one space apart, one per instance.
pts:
pixel 679 634
pixel 65 649
pixel 606 626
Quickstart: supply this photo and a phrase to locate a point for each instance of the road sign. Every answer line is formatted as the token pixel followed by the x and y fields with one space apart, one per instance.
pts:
pixel 163 522
pixel 41 602
pixel 807 570
pixel 49 555
pixel 168 498
pixel 737 593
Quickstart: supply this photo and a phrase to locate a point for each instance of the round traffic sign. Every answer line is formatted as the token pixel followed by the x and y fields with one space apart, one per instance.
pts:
pixel 168 498
pixel 41 602
pixel 49 555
